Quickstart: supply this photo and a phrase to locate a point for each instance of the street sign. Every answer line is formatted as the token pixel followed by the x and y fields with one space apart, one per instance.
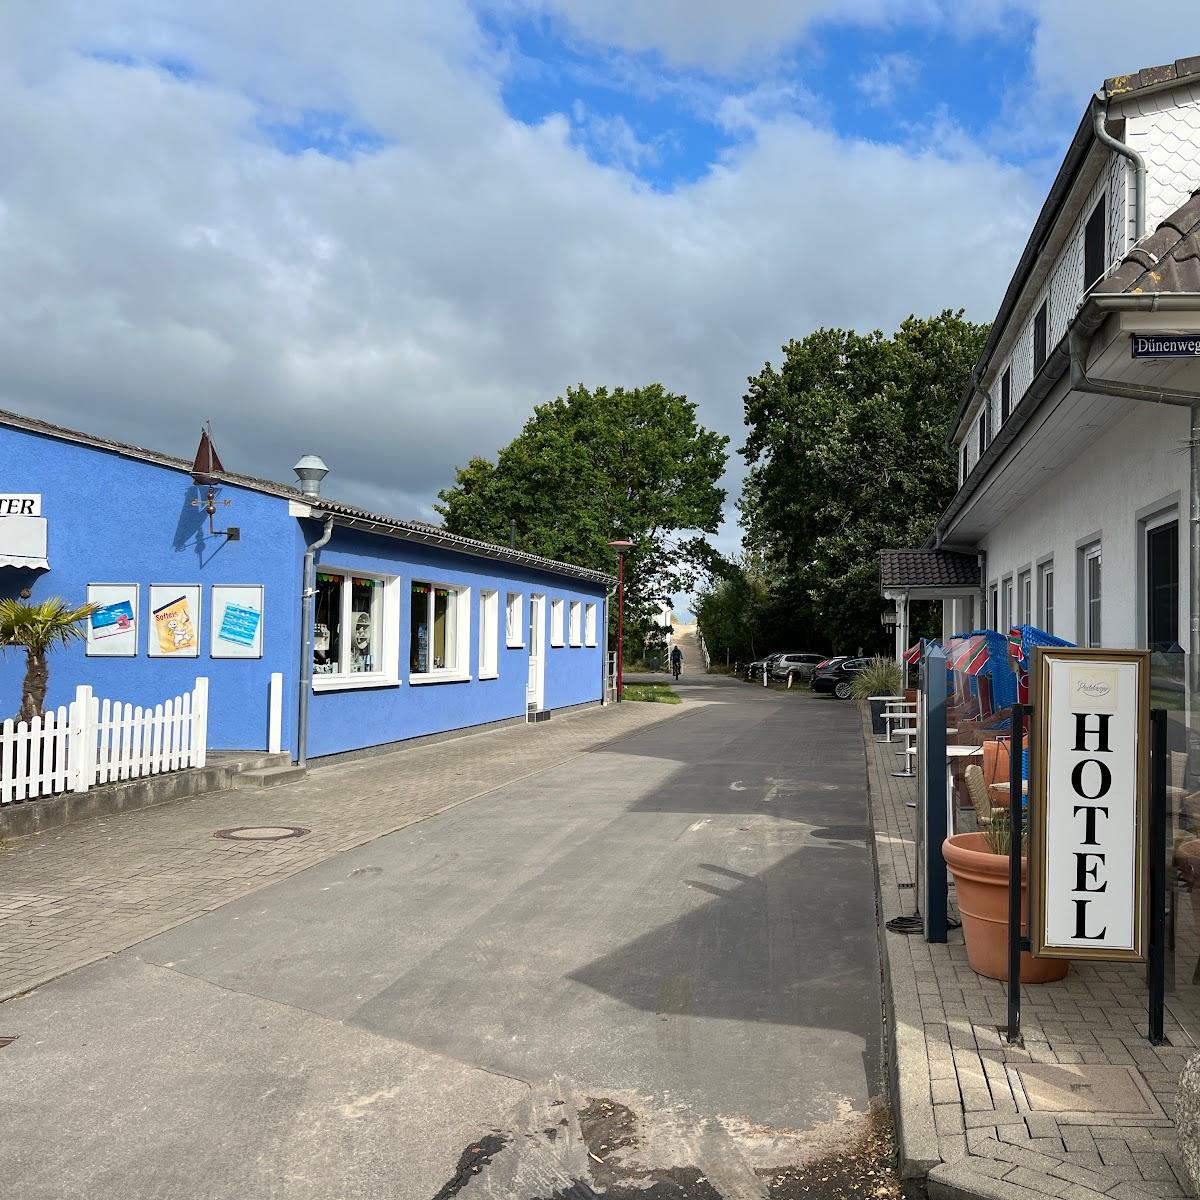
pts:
pixel 1089 785
pixel 1165 345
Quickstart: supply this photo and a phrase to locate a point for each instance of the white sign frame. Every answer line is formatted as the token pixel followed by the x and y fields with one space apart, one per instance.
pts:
pixel 247 596
pixel 162 595
pixel 1090 859
pixel 115 644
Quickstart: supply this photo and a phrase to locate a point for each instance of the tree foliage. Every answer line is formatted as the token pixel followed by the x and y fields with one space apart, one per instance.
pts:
pixel 846 455
pixel 594 466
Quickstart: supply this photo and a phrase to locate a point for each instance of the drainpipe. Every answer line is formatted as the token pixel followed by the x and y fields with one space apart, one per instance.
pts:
pixel 307 596
pixel 1099 116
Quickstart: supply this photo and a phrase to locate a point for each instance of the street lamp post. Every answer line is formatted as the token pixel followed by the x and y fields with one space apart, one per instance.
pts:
pixel 620 545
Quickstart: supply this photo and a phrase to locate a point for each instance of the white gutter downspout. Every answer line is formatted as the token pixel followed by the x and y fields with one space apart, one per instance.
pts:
pixel 1099 116
pixel 307 595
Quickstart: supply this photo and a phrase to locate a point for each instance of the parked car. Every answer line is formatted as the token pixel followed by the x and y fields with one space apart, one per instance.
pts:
pixel 754 670
pixel 798 666
pixel 837 674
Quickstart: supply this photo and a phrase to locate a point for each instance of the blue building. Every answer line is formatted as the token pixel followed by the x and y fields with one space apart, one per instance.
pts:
pixel 405 630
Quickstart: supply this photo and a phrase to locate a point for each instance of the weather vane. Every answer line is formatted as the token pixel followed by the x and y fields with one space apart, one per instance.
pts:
pixel 205 469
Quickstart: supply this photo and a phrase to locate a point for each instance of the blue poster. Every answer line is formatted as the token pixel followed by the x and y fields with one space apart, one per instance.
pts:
pixel 110 619
pixel 239 624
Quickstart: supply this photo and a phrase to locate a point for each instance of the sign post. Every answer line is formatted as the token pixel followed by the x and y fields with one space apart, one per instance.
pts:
pixel 1097 819
pixel 931 793
pixel 1017 941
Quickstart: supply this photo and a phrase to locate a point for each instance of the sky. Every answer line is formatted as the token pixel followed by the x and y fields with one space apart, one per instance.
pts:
pixel 383 231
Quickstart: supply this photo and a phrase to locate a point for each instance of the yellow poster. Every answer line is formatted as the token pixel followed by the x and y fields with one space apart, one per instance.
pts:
pixel 175 627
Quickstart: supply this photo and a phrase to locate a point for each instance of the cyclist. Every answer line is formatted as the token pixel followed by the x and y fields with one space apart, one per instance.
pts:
pixel 676 661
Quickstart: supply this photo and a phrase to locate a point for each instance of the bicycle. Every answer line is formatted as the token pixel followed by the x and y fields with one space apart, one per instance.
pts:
pixel 676 668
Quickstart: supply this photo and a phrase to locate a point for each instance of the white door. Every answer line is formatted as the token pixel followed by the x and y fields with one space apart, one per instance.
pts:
pixel 535 692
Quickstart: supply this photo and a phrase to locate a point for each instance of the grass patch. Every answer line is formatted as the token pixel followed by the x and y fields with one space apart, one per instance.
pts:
pixel 654 693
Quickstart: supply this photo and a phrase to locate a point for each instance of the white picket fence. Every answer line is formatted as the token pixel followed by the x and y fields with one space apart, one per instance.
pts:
pixel 93 741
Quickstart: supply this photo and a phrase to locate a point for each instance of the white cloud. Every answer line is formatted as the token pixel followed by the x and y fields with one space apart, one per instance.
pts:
pixel 889 76
pixel 401 310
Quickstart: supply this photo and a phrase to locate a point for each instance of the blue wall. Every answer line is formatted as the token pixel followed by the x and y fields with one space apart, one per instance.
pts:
pixel 341 720
pixel 113 519
pixel 116 519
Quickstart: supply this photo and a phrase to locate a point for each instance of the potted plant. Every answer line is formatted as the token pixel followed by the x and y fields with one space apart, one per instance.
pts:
pixel 875 686
pixel 37 629
pixel 979 863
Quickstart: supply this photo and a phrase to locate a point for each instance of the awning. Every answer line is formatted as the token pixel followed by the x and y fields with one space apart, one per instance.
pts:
pixel 23 543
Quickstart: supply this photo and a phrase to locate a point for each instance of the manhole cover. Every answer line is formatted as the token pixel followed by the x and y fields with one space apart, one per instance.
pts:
pixel 1084 1088
pixel 261 833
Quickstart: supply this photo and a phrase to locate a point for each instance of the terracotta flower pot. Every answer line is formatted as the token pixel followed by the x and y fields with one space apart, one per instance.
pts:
pixel 981 883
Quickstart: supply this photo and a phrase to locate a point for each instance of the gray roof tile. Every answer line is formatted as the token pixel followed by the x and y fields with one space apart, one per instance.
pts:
pixel 927 568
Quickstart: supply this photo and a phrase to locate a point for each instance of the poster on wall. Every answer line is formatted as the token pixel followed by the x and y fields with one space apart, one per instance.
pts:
pixel 237 614
pixel 112 630
pixel 1088 803
pixel 174 620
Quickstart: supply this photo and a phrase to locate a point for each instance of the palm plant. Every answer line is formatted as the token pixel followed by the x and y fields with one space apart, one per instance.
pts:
pixel 37 629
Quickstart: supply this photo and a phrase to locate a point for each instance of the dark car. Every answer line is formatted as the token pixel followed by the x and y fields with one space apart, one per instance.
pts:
pixel 836 675
pixel 754 670
pixel 798 666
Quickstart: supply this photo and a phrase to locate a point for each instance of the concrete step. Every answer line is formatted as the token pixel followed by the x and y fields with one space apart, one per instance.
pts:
pixel 265 777
pixel 247 760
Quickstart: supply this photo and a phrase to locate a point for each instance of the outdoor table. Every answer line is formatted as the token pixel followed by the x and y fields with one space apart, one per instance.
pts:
pixel 1007 787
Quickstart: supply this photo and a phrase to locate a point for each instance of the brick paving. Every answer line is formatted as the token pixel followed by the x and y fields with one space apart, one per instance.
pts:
pixel 69 896
pixel 962 1111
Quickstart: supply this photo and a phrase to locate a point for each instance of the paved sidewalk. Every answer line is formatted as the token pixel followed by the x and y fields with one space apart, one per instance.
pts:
pixel 70 896
pixel 962 1106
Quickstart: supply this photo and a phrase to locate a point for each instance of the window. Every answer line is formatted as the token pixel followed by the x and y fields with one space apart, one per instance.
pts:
pixel 984 430
pixel 1024 599
pixel 1005 394
pixel 1006 605
pixel 1046 596
pixel 556 622
pixel 1039 338
pixel 439 632
pixel 576 623
pixel 995 606
pixel 1090 577
pixel 354 624
pixel 964 462
pixel 489 633
pixel 514 619
pixel 1162 586
pixel 1095 235
pixel 589 624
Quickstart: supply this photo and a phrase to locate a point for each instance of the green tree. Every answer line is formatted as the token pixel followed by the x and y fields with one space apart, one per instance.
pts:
pixel 846 455
pixel 597 465
pixel 730 609
pixel 37 629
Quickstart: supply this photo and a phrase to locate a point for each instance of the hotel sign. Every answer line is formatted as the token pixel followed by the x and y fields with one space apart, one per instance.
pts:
pixel 1165 345
pixel 1088 803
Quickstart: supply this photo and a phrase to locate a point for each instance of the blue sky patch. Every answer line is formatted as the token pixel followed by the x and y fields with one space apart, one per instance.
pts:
pixel 332 134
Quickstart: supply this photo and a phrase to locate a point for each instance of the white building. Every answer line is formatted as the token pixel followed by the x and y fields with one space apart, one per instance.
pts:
pixel 1077 435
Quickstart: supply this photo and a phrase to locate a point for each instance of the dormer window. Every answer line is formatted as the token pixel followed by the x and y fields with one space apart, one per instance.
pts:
pixel 1005 395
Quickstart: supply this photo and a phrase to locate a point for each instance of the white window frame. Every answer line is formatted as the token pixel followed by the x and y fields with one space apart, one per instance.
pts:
pixel 489 633
pixel 556 621
pixel 514 620
pixel 575 623
pixel 1090 637
pixel 1006 605
pixel 1024 600
pixel 589 624
pixel 994 605
pixel 1045 570
pixel 389 645
pixel 460 672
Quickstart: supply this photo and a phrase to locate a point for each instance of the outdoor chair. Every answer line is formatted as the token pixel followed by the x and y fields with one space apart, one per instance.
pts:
pixel 978 791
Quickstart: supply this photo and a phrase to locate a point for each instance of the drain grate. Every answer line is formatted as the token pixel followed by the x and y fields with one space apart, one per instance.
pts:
pixel 261 833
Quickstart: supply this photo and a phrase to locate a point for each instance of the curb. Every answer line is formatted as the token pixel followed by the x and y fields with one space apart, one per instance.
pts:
pixel 910 1092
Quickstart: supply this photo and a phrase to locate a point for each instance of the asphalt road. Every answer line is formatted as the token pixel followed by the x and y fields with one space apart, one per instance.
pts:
pixel 652 968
